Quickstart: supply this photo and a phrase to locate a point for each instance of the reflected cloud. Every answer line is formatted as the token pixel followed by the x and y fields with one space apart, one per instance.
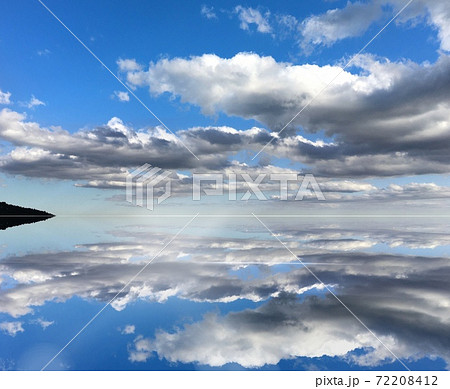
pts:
pixel 403 298
pixel 286 328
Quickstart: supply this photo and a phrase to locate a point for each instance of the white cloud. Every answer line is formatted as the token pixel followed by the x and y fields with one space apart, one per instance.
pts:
pixel 387 97
pixel 11 327
pixel 128 329
pixel 342 244
pixel 216 340
pixel 378 121
pixel 414 307
pixel 140 351
pixel 434 13
pixel 439 17
pixel 43 323
pixel 356 17
pixel 337 24
pixel 128 65
pixel 34 102
pixel 208 12
pixel 253 16
pixel 346 186
pixel 98 270
pixel 216 83
pixel 102 155
pixel 285 328
pixel 5 97
pixel 122 96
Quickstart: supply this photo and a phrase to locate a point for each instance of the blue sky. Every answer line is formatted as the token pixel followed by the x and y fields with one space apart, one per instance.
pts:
pixel 43 59
pixel 273 46
pixel 196 308
pixel 226 77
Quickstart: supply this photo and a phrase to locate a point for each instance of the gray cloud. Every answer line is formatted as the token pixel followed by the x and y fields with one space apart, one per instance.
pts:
pixel 95 270
pixel 400 297
pixel 380 119
pixel 101 158
pixel 356 17
pixel 337 24
pixel 285 328
pixel 352 20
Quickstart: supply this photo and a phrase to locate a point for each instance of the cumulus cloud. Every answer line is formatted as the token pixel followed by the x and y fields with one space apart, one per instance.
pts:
pixel 377 118
pixel 389 293
pixel 100 270
pixel 85 154
pixel 356 17
pixel 439 15
pixel 11 328
pixel 253 338
pixel 5 97
pixel 108 266
pixel 122 96
pixel 286 328
pixel 376 121
pixel 260 88
pixel 402 298
pixel 380 118
pixel 101 157
pixel 128 65
pixel 352 20
pixel 337 24
pixel 103 154
pixel 140 351
pixel 248 16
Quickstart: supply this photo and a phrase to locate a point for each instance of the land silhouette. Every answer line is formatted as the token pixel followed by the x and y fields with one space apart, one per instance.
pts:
pixel 13 215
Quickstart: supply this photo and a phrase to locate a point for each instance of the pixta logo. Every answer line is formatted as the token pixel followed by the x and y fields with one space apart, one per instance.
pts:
pixel 146 184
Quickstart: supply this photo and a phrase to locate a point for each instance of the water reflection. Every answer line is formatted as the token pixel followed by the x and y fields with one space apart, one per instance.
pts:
pixel 255 304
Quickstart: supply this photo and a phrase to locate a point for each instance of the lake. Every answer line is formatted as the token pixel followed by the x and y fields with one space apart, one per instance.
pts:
pixel 184 293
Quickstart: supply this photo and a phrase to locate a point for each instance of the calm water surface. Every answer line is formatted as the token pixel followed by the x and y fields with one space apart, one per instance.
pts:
pixel 226 294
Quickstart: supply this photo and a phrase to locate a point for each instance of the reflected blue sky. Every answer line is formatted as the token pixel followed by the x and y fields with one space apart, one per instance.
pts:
pixel 231 298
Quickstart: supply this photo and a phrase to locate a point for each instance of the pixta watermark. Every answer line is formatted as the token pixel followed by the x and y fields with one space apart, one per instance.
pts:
pixel 147 186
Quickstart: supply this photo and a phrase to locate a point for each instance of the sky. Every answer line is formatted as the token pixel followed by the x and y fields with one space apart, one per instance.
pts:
pixel 222 80
pixel 355 94
pixel 226 297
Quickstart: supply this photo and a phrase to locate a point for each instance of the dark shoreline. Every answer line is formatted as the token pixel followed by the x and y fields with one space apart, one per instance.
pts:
pixel 13 215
